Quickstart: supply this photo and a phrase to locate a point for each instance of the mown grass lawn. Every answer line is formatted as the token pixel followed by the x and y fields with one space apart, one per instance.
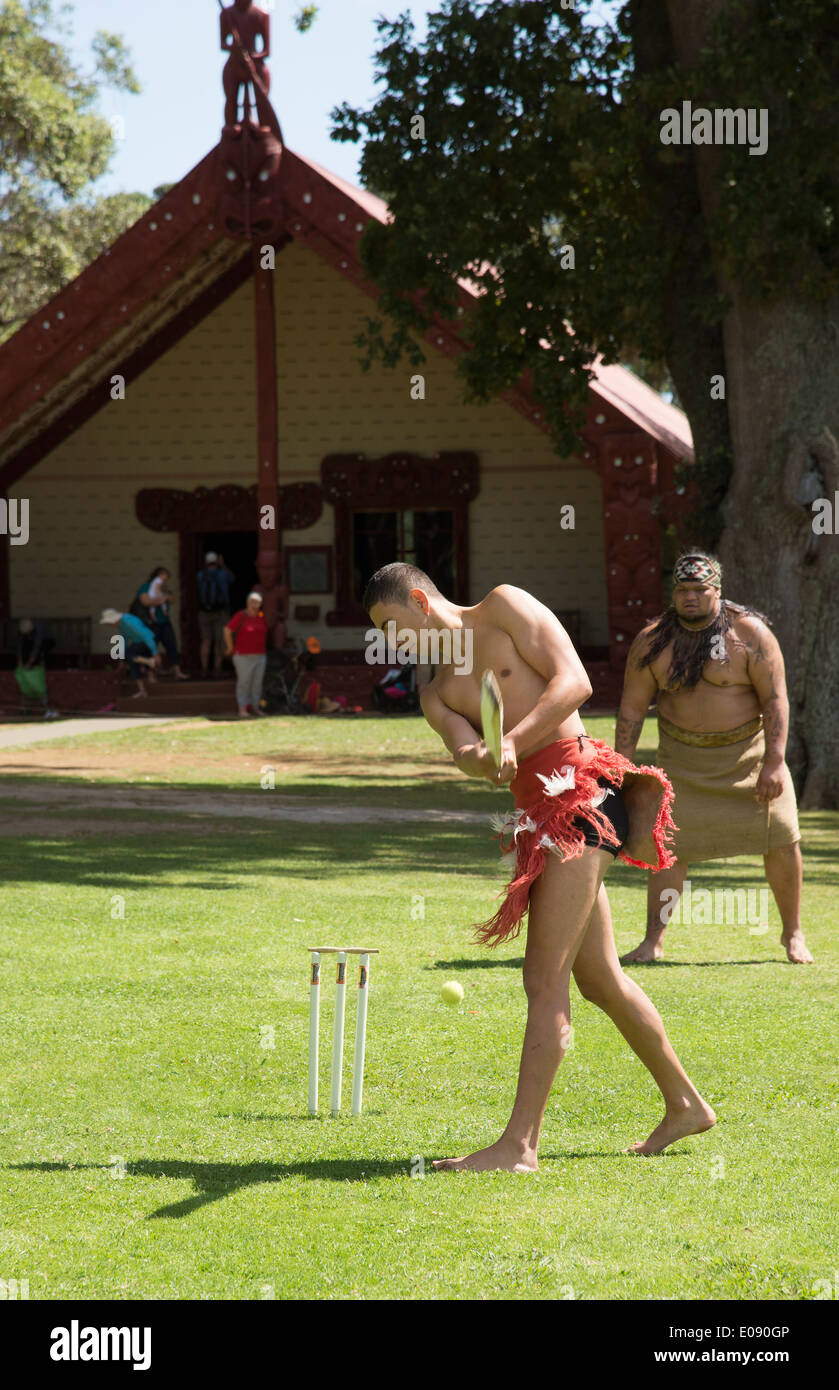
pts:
pixel 396 762
pixel 155 1141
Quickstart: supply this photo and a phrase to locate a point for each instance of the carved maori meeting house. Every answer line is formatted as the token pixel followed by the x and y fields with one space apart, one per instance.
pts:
pixel 247 426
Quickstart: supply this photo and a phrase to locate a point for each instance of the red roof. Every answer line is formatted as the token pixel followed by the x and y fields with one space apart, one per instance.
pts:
pixel 634 398
pixel 171 268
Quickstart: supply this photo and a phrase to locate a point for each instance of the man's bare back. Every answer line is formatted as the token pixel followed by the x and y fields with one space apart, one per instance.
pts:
pixel 494 647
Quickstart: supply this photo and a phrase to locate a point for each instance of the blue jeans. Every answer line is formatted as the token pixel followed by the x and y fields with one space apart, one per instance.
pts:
pixel 135 670
pixel 165 633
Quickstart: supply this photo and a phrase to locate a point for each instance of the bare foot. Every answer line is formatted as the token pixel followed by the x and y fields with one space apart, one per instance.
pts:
pixel 796 948
pixel 649 950
pixel 511 1157
pixel 140 695
pixel 695 1118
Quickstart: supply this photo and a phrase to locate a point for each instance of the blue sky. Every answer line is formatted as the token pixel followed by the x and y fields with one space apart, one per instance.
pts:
pixel 176 56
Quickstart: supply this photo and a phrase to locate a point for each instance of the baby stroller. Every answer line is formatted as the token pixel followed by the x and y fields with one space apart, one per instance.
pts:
pixel 294 677
pixel 396 692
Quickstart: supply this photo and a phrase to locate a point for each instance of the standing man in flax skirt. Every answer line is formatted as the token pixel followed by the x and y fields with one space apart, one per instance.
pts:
pixel 723 718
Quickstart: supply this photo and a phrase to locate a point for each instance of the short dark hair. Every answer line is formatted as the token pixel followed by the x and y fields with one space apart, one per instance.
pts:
pixel 393 584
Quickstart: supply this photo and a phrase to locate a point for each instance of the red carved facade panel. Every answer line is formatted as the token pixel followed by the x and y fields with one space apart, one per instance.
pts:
pixel 226 508
pixel 398 482
pixel 628 468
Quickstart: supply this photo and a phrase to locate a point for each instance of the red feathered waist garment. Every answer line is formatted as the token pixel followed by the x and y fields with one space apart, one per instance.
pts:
pixel 553 787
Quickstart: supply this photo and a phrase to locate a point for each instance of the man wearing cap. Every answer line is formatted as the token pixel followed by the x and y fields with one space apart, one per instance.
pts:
pixel 138 640
pixel 213 583
pixel 723 718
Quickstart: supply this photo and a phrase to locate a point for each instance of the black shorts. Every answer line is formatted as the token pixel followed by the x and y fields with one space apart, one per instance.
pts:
pixel 614 810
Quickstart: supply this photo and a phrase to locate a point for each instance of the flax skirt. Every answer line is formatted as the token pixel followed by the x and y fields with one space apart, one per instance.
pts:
pixel 715 807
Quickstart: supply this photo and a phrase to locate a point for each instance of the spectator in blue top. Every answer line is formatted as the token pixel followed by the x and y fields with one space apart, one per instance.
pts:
pixel 138 640
pixel 213 583
pixel 155 597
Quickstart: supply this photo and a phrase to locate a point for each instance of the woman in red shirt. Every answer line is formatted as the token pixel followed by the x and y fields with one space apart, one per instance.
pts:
pixel 244 639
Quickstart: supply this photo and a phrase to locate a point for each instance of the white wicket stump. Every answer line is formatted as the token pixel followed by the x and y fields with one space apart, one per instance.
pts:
pixel 314 1031
pixel 338 1033
pixel 364 955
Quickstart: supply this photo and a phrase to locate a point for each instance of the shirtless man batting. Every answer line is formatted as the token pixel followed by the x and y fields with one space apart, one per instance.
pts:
pixel 564 834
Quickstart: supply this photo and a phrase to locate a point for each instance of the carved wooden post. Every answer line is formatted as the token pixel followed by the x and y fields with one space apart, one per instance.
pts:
pixel 628 466
pixel 250 207
pixel 268 559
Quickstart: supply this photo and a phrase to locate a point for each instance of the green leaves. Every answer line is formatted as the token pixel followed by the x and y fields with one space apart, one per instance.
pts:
pixel 306 18
pixel 53 146
pixel 112 62
pixel 535 120
pixel 521 127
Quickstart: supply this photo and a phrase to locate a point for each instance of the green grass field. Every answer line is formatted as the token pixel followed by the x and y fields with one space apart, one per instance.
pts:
pixel 155 1141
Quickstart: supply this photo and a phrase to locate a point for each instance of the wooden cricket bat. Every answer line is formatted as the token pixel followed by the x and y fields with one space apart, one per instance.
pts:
pixel 492 715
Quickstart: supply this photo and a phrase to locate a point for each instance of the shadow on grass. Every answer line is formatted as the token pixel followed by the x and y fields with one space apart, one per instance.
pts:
pixel 485 963
pixel 293 850
pixel 426 789
pixel 701 964
pixel 309 853
pixel 517 962
pixel 214 1181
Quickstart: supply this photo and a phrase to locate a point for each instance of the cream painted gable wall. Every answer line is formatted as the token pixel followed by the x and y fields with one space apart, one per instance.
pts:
pixel 188 421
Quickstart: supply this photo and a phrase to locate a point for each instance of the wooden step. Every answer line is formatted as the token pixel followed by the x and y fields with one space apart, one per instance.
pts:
pixel 167 696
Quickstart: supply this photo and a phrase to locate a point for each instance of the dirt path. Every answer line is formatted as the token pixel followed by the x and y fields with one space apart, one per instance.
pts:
pixel 53 806
pixel 174 762
pixel 26 733
pixel 75 805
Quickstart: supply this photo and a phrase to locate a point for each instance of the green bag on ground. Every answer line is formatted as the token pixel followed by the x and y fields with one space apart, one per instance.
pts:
pixel 32 682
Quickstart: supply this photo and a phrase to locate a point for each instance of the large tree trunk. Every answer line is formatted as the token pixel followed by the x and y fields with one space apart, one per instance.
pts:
pixel 781 370
pixel 782 367
pixel 694 348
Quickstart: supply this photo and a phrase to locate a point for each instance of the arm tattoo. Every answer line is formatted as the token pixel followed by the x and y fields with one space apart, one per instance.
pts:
pixel 627 733
pixel 758 647
pixel 756 652
pixel 775 720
